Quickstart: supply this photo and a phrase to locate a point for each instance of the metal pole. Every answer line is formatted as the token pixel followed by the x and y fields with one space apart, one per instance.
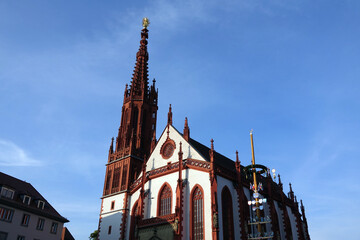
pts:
pixel 255 182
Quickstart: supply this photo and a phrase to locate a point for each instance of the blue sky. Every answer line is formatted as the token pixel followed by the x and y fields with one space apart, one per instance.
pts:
pixel 288 69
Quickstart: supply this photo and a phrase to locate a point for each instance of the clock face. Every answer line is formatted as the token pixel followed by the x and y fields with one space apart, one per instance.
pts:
pixel 167 150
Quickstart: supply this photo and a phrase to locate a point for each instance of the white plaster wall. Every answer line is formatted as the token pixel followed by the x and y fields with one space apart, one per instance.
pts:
pixel 293 223
pixel 201 178
pixel 154 186
pixel 156 160
pixel 132 199
pixel 119 203
pixel 280 218
pixel 222 182
pixel 111 218
pixel 192 177
pixel 14 228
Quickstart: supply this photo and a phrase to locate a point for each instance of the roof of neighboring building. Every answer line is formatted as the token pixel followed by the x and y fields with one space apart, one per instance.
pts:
pixel 21 189
pixel 66 235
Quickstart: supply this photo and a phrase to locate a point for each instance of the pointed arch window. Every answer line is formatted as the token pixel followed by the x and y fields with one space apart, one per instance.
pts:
pixel 227 214
pixel 165 197
pixel 124 177
pixel 115 180
pixel 133 223
pixel 197 214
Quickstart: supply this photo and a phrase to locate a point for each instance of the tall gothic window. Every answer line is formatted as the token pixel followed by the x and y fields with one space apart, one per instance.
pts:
pixel 164 201
pixel 124 177
pixel 227 214
pixel 197 214
pixel 134 213
pixel 116 179
pixel 108 178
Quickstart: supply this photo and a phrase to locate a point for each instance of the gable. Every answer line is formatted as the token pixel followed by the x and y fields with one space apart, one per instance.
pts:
pixel 167 149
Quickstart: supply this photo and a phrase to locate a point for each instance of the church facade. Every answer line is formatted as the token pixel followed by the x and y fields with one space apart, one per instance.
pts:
pixel 174 187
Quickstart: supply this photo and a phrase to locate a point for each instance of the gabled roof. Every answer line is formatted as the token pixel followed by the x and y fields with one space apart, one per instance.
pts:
pixel 24 188
pixel 203 151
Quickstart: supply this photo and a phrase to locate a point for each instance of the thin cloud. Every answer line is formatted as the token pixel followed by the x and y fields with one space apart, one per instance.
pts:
pixel 12 155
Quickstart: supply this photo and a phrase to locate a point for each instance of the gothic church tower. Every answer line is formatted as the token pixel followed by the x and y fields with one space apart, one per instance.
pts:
pixel 137 126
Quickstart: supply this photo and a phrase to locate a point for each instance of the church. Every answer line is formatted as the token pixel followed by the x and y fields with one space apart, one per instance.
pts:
pixel 173 187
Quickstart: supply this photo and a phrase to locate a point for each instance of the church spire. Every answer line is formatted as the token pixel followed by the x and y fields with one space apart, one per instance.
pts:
pixel 137 129
pixel 111 149
pixel 170 116
pixel 291 193
pixel 140 79
pixel 186 133
pixel 280 183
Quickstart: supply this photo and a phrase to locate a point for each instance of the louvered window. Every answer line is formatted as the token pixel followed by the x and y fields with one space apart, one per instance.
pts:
pixel 108 178
pixel 197 215
pixel 165 201
pixel 124 177
pixel 116 179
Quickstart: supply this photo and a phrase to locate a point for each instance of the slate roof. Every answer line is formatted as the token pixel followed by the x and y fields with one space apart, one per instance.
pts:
pixel 219 159
pixel 24 188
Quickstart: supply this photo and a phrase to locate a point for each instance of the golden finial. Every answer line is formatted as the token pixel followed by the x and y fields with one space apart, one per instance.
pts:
pixel 145 22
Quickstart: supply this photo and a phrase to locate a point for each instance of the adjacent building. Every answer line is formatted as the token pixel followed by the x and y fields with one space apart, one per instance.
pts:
pixel 174 187
pixel 25 214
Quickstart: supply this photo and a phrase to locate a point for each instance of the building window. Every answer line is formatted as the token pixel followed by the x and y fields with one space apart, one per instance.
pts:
pixel 227 214
pixel 109 231
pixel 54 227
pixel 153 115
pixel 112 205
pixel 6 192
pixel 133 221
pixel 116 179
pixel 40 204
pixel 20 237
pixel 6 214
pixel 40 224
pixel 26 199
pixel 197 214
pixel 3 236
pixel 124 177
pixel 108 178
pixel 164 200
pixel 25 220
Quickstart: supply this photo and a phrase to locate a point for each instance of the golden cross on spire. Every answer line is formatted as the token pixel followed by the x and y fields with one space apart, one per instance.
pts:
pixel 145 22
